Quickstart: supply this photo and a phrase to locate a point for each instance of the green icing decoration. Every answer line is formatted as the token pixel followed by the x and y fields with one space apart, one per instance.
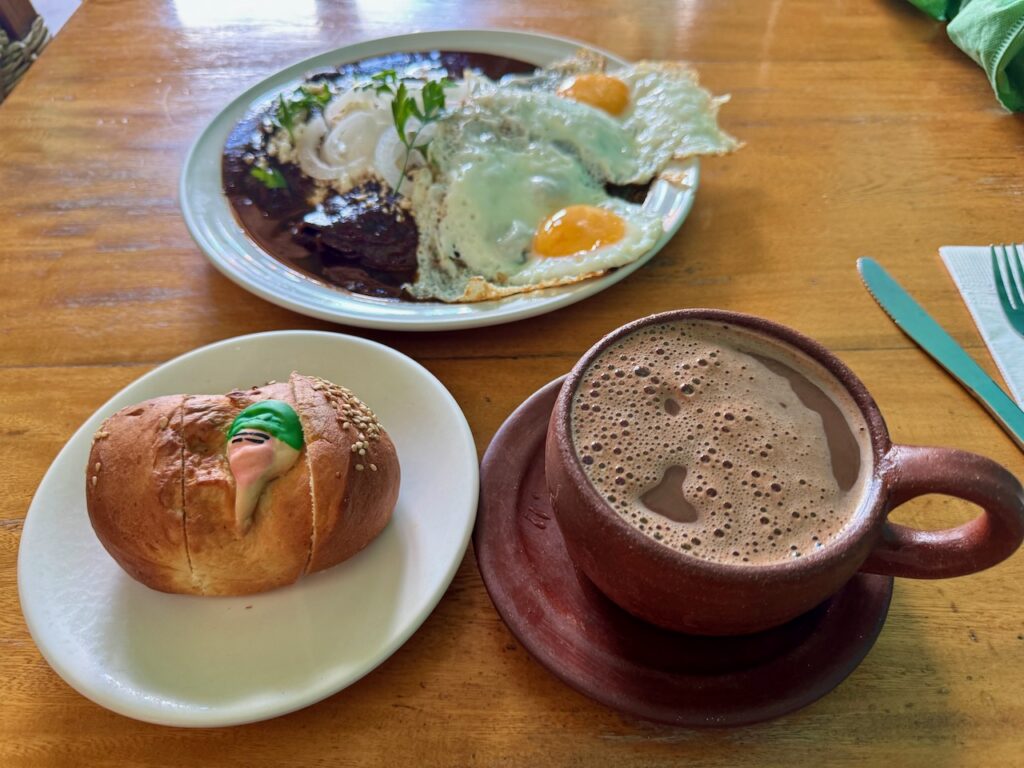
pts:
pixel 275 417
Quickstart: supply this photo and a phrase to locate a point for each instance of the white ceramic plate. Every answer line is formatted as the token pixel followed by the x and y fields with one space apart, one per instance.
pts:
pixel 194 661
pixel 209 217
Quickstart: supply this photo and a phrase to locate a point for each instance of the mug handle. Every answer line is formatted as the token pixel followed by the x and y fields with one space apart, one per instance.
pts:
pixel 910 471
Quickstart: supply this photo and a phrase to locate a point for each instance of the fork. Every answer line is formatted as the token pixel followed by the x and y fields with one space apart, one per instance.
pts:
pixel 1009 285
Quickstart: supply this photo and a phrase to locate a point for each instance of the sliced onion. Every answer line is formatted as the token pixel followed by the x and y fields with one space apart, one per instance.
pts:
pixel 308 140
pixel 352 100
pixel 353 139
pixel 389 156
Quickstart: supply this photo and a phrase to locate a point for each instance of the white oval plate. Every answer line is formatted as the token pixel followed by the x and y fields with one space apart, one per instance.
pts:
pixel 209 217
pixel 195 661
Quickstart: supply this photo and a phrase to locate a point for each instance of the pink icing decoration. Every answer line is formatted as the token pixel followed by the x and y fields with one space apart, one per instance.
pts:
pixel 255 458
pixel 249 461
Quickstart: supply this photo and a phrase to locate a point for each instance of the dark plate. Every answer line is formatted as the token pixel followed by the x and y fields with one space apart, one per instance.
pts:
pixel 609 655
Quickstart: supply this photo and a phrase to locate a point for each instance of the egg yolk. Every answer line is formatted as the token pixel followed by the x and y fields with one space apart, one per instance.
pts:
pixel 577 229
pixel 598 90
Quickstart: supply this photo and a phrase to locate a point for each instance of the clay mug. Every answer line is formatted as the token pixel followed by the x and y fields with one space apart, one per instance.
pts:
pixel 681 592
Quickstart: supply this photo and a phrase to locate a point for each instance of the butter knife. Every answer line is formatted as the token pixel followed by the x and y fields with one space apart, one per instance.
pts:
pixel 912 319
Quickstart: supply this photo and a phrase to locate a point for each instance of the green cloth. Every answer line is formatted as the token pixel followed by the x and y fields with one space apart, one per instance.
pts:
pixel 938 9
pixel 992 33
pixel 275 417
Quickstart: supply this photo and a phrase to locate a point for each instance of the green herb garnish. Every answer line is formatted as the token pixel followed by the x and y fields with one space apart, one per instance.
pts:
pixel 299 105
pixel 383 81
pixel 271 177
pixel 404 105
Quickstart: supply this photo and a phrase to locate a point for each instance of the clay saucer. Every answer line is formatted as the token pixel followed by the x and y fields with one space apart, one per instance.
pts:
pixel 607 654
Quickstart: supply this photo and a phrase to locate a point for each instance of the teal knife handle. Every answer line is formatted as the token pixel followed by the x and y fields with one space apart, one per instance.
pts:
pixel 914 321
pixel 912 471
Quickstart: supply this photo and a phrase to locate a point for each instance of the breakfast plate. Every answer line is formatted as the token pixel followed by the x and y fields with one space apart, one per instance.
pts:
pixel 188 661
pixel 211 221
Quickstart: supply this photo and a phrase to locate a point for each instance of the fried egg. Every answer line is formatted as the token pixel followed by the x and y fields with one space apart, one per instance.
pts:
pixel 587 239
pixel 659 107
pixel 502 202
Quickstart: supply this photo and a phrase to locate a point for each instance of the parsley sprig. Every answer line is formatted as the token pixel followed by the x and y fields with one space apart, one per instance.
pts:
pixel 404 106
pixel 292 108
pixel 297 106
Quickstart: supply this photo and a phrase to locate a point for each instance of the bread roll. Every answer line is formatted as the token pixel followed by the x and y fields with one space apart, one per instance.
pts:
pixel 164 500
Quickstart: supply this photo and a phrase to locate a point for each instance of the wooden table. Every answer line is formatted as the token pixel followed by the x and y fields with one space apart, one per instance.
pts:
pixel 867 133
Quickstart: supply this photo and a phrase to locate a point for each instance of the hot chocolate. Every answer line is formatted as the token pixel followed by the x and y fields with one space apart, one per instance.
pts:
pixel 718 442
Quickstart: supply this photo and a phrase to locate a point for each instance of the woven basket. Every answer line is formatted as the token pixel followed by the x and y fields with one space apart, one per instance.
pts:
pixel 16 56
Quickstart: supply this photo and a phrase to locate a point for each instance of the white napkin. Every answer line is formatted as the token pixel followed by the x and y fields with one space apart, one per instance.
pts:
pixel 971 269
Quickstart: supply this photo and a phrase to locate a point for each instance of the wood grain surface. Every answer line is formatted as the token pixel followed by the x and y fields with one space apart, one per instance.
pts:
pixel 867 132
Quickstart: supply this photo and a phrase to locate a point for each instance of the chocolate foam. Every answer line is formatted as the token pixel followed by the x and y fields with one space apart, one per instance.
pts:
pixel 718 442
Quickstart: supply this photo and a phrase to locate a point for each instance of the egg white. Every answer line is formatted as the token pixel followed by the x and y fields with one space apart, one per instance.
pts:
pixel 670 117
